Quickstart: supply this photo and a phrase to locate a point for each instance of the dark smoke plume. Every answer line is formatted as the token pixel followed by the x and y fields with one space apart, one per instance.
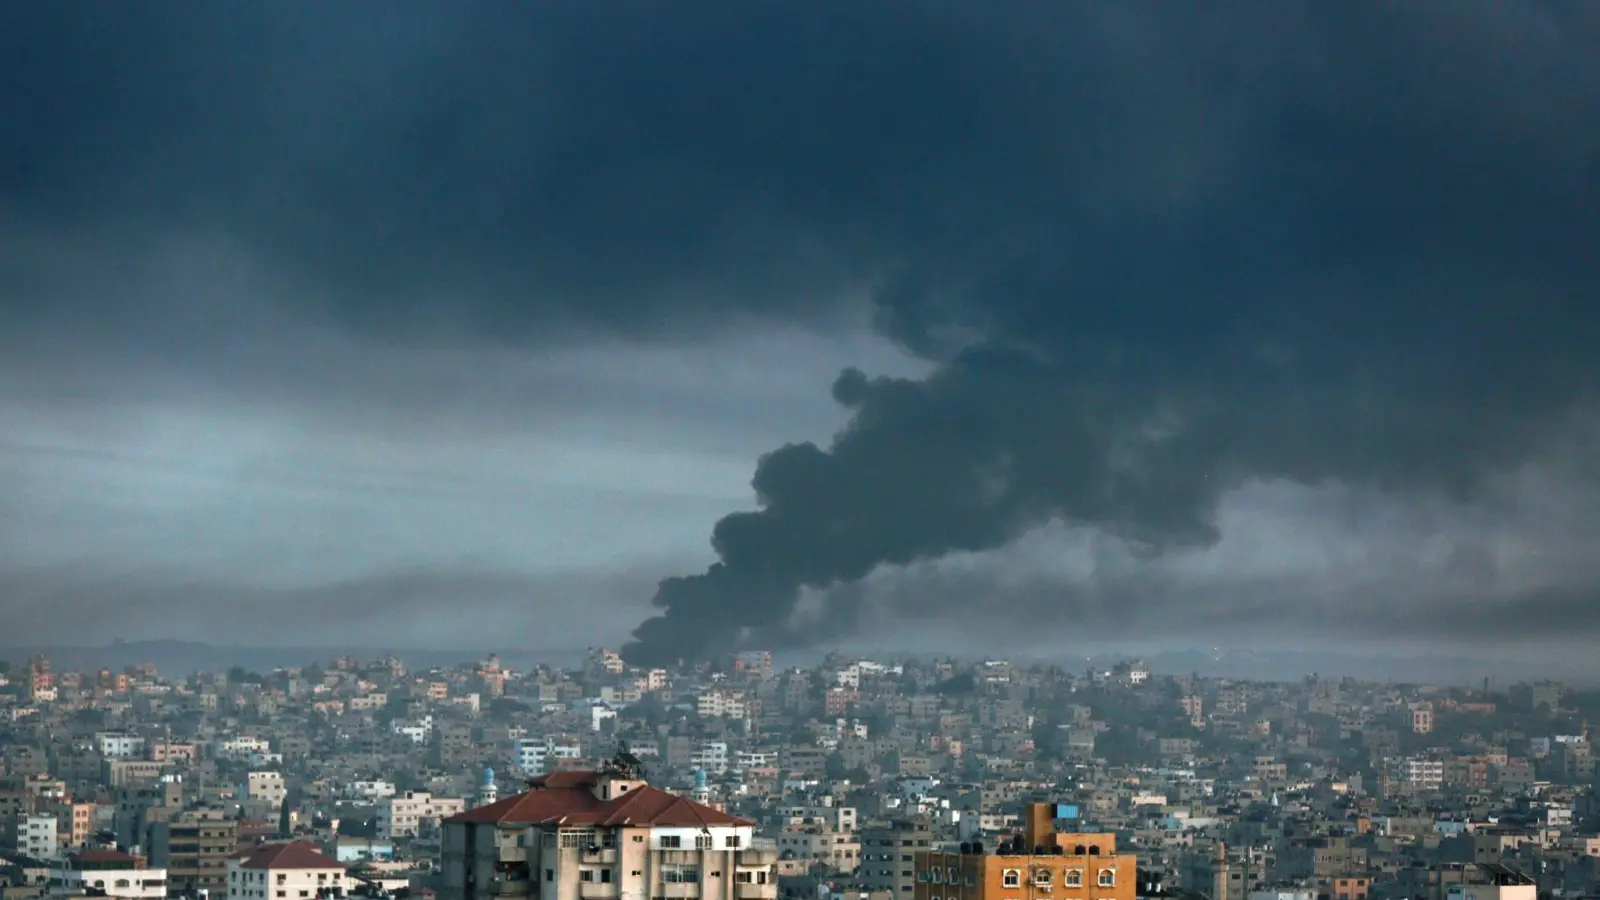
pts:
pixel 1380 289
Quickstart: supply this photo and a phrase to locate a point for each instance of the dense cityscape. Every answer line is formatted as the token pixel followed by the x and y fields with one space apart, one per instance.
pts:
pixel 860 778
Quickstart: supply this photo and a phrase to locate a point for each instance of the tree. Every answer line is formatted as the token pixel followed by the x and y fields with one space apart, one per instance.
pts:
pixel 285 827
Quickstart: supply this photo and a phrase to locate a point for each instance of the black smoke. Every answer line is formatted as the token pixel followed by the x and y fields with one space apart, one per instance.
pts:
pixel 1388 286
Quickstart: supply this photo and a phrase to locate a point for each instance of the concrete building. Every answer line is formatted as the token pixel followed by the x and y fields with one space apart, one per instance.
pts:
pixel 194 847
pixel 266 787
pixel 296 870
pixel 108 872
pixel 414 811
pixel 1422 718
pixel 119 745
pixel 605 835
pixel 888 856
pixel 37 837
pixel 1032 862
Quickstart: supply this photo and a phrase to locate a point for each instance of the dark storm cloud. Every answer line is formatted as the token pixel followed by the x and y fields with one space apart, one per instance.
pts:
pixel 1156 252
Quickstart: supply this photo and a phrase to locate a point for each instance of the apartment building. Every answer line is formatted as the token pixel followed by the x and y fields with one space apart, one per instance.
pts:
pixel 267 787
pixel 718 703
pixel 194 847
pixel 405 815
pixel 604 835
pixel 296 870
pixel 1035 862
pixel 37 836
pixel 109 873
pixel 888 856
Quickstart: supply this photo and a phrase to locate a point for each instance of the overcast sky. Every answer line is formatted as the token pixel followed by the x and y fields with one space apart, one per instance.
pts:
pixel 465 324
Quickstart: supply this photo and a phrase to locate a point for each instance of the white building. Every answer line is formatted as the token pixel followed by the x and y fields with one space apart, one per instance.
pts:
pixel 408 813
pixel 712 756
pixel 418 731
pixel 116 873
pixel 369 790
pixel 291 871
pixel 37 837
pixel 718 703
pixel 119 745
pixel 531 755
pixel 243 746
pixel 535 755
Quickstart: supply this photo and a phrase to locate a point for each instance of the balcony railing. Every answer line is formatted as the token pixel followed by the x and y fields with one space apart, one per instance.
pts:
pixel 767 891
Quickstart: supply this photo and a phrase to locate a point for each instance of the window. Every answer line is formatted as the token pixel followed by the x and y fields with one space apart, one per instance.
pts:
pixel 1072 878
pixel 731 842
pixel 671 842
pixel 1041 877
pixel 1011 878
pixel 586 875
pixel 702 842
pixel 922 877
pixel 671 874
pixel 605 876
pixel 1108 877
pixel 936 876
pixel 549 874
pixel 578 839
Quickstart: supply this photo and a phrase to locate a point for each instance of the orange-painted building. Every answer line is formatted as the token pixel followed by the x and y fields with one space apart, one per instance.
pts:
pixel 1038 864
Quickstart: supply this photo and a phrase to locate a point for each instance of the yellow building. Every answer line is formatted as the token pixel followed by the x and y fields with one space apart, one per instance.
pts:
pixel 1038 864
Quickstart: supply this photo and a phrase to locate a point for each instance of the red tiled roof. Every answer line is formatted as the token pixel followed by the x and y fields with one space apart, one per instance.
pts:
pixel 102 856
pixel 293 855
pixel 567 798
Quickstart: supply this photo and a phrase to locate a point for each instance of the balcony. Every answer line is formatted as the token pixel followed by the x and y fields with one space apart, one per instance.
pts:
pixel 676 891
pixel 600 856
pixel 594 890
pixel 517 887
pixel 758 856
pixel 756 891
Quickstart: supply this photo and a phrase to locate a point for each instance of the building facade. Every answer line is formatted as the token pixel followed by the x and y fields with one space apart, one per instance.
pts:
pixel 111 873
pixel 605 835
pixel 296 870
pixel 406 814
pixel 1034 864
pixel 888 856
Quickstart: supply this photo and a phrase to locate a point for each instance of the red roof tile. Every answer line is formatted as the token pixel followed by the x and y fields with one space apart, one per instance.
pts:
pixel 567 798
pixel 102 856
pixel 292 855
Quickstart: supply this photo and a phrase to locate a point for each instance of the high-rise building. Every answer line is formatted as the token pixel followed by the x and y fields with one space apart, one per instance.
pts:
pixel 605 835
pixel 1033 863
pixel 888 856
pixel 194 847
